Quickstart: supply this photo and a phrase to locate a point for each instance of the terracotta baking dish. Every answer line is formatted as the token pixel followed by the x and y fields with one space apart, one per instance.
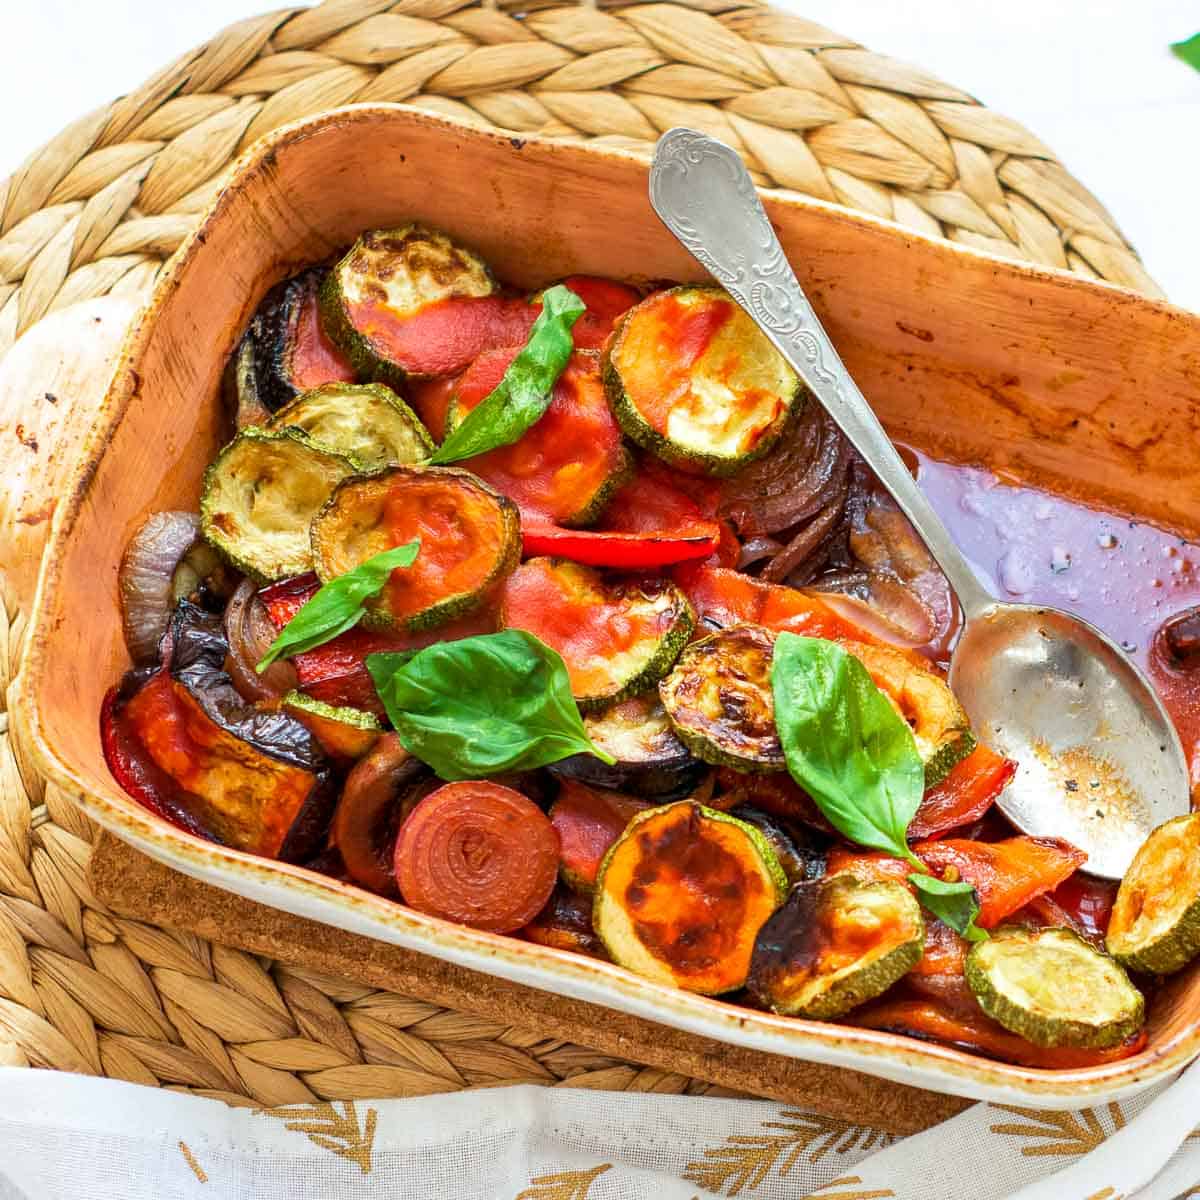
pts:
pixel 1082 388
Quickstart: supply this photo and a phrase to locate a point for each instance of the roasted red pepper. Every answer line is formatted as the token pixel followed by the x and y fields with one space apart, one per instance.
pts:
pixel 964 795
pixel 588 822
pixel 1007 875
pixel 336 672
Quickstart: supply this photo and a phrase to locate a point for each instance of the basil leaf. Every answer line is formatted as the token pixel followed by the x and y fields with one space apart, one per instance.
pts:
pixel 1189 50
pixel 338 605
pixel 523 395
pixel 482 705
pixel 955 903
pixel 845 744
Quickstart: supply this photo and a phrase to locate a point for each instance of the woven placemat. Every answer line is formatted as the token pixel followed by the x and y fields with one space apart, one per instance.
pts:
pixel 96 212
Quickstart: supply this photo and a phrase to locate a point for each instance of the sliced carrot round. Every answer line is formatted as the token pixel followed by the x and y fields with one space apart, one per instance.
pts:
pixel 566 465
pixel 477 853
pixel 470 538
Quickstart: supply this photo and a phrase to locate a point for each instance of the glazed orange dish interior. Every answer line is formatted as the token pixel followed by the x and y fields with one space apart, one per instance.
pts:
pixel 568 614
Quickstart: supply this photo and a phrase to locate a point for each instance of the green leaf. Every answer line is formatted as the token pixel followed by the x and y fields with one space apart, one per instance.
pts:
pixel 482 705
pixel 523 395
pixel 955 903
pixel 1189 51
pixel 338 605
pixel 845 744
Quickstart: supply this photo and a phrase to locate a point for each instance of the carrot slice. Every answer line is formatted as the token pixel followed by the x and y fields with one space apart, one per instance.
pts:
pixel 588 822
pixel 444 337
pixel 1006 874
pixel 477 853
pixel 966 793
pixel 564 467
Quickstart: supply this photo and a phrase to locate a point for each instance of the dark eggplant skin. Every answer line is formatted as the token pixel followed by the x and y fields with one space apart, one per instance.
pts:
pixel 258 378
pixel 193 651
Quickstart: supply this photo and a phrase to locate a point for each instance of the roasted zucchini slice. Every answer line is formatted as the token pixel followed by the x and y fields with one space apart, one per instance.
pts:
pixel 691 378
pixel 938 721
pixel 682 894
pixel 567 465
pixel 283 352
pixel 344 733
pixel 835 943
pixel 250 778
pixel 565 923
pixel 260 495
pixel 411 302
pixel 1155 923
pixel 718 697
pixel 1054 988
pixel 366 422
pixel 618 637
pixel 470 539
pixel 650 760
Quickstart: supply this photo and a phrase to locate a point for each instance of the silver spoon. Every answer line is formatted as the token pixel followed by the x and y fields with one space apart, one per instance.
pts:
pixel 1100 763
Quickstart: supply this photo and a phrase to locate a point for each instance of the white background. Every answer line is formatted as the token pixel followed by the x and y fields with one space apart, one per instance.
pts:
pixel 1093 78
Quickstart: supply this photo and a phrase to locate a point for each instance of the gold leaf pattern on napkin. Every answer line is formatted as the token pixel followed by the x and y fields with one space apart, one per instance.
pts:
pixel 854 1193
pixel 564 1185
pixel 325 1126
pixel 1066 1134
pixel 744 1162
pixel 190 1159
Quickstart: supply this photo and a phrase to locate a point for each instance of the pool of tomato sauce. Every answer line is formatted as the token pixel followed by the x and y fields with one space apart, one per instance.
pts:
pixel 1125 576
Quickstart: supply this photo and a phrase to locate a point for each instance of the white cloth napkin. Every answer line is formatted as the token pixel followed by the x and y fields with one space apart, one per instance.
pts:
pixel 76 1137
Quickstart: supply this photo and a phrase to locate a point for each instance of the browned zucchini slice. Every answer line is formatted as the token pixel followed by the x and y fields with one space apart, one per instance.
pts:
pixel 1155 924
pixel 939 722
pixel 344 733
pixel 470 539
pixel 682 894
pixel 718 697
pixel 366 422
pixel 691 378
pixel 1054 988
pixel 650 760
pixel 260 495
pixel 836 943
pixel 618 637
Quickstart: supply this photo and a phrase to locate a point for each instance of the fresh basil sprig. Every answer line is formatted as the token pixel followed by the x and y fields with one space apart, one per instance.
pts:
pixel 845 744
pixel 955 903
pixel 338 605
pixel 855 755
pixel 523 395
pixel 482 705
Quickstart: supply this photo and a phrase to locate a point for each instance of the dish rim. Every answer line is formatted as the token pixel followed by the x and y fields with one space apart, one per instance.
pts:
pixel 303 893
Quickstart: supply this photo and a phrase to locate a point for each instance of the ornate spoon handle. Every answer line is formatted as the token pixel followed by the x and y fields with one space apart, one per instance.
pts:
pixel 702 192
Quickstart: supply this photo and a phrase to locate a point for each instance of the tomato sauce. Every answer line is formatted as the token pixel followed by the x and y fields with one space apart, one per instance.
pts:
pixel 1123 575
pixel 315 359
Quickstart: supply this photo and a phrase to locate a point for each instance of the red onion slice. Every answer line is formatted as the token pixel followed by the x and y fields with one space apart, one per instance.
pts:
pixel 250 632
pixel 145 580
pixel 793 482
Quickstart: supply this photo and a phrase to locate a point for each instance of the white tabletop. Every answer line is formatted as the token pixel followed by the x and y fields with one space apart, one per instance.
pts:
pixel 1093 78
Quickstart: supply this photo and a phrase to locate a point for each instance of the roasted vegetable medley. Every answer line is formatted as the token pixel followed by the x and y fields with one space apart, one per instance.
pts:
pixel 570 616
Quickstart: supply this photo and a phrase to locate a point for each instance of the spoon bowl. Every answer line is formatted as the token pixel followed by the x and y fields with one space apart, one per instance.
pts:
pixel 1099 761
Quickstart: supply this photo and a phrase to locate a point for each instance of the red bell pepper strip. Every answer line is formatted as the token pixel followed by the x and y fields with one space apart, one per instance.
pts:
pixel 1007 875
pixel 976 1033
pixel 646 524
pixel 964 795
pixel 726 597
